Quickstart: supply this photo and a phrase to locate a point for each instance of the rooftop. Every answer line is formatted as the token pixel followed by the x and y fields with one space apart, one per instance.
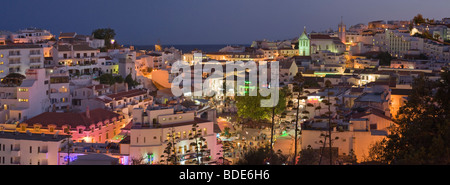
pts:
pixel 76 119
pixel 127 94
pixel 31 136
pixel 19 46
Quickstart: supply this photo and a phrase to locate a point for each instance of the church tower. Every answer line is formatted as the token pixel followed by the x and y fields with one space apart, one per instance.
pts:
pixel 304 44
pixel 341 31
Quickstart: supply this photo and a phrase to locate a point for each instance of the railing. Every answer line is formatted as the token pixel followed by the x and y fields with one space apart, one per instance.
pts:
pixel 14 62
pixel 35 53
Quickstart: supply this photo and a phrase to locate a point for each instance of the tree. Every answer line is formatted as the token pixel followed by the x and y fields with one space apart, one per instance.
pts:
pixel 262 156
pixel 118 79
pixel 170 150
pixel 136 160
pixel 330 125
pixel 249 107
pixel 418 19
pixel 298 87
pixel 421 134
pixel 308 156
pixel 106 79
pixel 130 81
pixel 106 34
pixel 436 36
pixel 385 58
pixel 198 140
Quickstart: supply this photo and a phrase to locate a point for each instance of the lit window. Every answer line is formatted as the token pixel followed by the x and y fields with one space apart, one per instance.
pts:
pixel 21 89
pixel 23 100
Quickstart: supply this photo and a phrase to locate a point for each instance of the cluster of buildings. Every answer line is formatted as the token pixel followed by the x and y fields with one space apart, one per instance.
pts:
pixel 55 110
pixel 50 94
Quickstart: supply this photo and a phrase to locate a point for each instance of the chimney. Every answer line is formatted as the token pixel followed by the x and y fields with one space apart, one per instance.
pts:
pixel 88 114
pixel 126 87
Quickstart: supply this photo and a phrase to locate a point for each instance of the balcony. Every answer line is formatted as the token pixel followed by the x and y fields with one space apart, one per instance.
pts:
pixel 14 62
pixel 42 154
pixel 15 153
pixel 35 54
pixel 35 61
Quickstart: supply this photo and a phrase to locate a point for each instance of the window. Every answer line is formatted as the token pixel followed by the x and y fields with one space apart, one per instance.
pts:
pixel 31 150
pixel 37 128
pixel 23 100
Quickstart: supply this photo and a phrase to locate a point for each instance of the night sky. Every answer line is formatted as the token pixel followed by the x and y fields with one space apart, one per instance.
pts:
pixel 141 22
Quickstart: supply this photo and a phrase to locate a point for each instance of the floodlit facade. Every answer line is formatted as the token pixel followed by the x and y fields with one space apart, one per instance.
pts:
pixel 30 149
pixel 152 130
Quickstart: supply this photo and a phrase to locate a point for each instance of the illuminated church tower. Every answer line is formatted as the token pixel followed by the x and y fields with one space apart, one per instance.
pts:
pixel 304 44
pixel 341 33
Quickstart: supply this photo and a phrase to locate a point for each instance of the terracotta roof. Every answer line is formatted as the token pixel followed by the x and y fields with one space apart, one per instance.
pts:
pixel 73 119
pixel 368 111
pixel 99 86
pixel 67 35
pixel 401 91
pixel 320 36
pixel 127 94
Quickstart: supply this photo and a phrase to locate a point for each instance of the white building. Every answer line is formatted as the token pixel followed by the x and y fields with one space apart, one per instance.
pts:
pixel 27 99
pixel 31 35
pixel 364 129
pixel 77 59
pixel 30 149
pixel 151 132
pixel 19 58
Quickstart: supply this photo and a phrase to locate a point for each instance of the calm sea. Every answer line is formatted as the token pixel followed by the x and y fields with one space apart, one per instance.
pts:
pixel 189 48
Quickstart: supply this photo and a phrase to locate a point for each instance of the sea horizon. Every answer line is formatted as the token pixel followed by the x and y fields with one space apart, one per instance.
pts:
pixel 185 48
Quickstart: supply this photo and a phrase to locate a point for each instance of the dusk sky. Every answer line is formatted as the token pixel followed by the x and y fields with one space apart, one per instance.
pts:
pixel 141 22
